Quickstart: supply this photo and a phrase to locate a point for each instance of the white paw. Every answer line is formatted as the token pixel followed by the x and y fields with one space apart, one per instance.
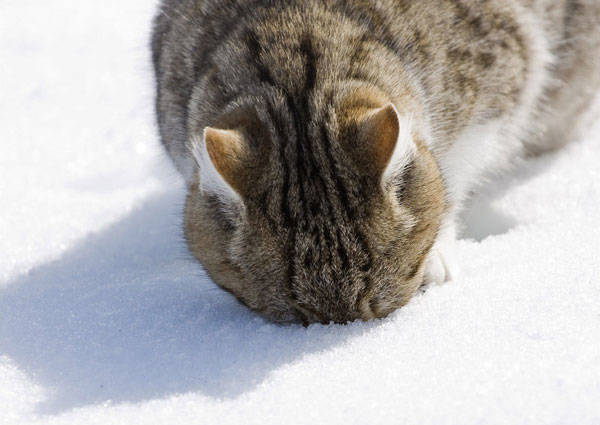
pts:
pixel 441 265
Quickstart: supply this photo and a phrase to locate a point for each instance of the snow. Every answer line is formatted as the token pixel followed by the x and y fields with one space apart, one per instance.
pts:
pixel 105 318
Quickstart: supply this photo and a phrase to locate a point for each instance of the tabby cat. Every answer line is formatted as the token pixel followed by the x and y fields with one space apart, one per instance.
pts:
pixel 328 145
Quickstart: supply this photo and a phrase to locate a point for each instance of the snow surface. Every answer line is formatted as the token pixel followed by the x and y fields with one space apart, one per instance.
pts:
pixel 104 318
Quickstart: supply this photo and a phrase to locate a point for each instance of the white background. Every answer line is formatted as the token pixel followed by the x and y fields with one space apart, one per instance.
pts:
pixel 104 318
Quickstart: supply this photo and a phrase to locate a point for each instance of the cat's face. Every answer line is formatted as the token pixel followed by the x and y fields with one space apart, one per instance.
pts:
pixel 335 229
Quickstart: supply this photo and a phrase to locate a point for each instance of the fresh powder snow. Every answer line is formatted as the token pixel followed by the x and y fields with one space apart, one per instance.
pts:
pixel 106 319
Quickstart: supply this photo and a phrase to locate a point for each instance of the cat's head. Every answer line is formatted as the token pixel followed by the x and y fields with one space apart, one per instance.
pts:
pixel 315 216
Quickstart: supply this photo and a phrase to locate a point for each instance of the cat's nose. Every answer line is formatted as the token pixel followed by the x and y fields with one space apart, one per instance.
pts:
pixel 337 314
pixel 363 311
pixel 339 317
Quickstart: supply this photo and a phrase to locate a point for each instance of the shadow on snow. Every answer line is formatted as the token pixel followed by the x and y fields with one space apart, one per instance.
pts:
pixel 127 315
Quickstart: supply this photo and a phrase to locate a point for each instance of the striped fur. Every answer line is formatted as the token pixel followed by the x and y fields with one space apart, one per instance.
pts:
pixel 316 230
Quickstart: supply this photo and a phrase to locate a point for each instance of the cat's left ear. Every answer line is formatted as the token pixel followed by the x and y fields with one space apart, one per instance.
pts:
pixel 222 156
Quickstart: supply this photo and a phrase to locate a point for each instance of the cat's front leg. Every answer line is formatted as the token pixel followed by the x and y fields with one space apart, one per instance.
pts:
pixel 441 264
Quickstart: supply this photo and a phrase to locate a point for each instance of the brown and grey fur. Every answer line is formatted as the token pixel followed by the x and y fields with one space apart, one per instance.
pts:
pixel 317 227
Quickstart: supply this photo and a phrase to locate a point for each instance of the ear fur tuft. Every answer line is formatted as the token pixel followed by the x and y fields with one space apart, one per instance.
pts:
pixel 386 137
pixel 218 156
pixel 404 148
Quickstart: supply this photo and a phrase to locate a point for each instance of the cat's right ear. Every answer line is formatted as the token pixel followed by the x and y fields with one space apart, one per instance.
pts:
pixel 221 155
pixel 385 143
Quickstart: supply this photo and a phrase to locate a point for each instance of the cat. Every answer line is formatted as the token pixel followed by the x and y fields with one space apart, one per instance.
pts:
pixel 328 146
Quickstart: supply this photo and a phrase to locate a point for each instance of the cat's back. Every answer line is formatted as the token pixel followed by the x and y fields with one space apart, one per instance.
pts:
pixel 204 51
pixel 474 58
pixel 572 28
